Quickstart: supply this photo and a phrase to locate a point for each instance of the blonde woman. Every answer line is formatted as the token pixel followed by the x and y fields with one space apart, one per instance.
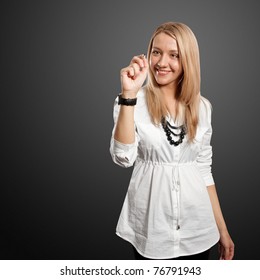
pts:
pixel 171 210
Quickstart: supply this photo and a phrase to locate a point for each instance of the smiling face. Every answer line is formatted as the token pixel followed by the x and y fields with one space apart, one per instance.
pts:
pixel 165 61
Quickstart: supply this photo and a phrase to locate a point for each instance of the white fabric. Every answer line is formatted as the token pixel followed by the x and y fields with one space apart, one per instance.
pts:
pixel 167 211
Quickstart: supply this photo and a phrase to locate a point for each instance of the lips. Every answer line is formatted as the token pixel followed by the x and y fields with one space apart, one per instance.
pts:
pixel 162 72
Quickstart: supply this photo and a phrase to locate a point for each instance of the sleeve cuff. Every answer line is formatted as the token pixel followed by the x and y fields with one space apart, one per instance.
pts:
pixel 121 147
pixel 209 180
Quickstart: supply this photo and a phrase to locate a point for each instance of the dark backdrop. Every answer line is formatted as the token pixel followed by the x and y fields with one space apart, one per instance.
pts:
pixel 61 195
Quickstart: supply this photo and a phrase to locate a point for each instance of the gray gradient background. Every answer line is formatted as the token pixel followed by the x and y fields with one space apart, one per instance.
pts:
pixel 61 195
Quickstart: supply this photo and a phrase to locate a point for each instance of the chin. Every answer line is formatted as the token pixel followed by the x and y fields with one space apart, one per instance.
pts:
pixel 164 83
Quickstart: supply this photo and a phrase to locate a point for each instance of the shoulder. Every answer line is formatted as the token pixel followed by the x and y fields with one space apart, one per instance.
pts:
pixel 205 109
pixel 141 110
pixel 205 103
pixel 141 97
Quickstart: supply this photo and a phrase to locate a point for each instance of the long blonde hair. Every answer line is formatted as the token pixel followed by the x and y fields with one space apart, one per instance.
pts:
pixel 188 90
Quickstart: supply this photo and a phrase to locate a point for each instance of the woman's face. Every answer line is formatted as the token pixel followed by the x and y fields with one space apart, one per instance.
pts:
pixel 164 60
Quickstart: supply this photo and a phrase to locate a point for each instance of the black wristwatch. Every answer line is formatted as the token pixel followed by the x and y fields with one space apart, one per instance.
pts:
pixel 126 101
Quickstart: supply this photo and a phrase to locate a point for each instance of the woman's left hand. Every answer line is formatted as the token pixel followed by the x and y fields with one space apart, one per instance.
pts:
pixel 226 247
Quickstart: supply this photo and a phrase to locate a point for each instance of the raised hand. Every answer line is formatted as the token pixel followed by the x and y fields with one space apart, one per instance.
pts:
pixel 133 76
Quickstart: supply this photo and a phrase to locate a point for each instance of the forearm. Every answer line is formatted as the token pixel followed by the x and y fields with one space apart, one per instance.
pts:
pixel 217 209
pixel 226 245
pixel 125 128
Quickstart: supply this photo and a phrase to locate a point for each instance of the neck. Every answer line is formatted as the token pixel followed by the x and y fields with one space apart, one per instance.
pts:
pixel 170 100
pixel 169 92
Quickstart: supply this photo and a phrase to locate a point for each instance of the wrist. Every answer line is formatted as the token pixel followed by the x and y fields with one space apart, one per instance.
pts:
pixel 129 94
pixel 126 101
pixel 223 231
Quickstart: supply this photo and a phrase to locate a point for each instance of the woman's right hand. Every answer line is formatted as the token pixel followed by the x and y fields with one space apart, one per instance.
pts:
pixel 133 76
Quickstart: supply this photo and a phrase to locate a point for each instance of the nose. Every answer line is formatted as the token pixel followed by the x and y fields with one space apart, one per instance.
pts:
pixel 163 61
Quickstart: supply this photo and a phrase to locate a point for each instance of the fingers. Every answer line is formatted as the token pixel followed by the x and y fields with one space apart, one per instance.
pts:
pixel 134 70
pixel 140 60
pixel 138 64
pixel 229 253
pixel 226 253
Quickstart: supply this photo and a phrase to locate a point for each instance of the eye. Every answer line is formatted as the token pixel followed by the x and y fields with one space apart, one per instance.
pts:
pixel 175 55
pixel 154 52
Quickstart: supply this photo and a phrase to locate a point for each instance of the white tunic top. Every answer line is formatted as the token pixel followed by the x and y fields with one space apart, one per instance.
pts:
pixel 167 211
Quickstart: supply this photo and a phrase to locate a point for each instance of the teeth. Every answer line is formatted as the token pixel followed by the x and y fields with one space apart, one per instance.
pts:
pixel 162 71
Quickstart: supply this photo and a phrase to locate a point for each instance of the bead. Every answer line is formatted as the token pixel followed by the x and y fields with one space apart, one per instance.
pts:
pixel 166 127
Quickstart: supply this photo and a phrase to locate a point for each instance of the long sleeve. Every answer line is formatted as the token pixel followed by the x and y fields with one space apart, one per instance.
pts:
pixel 122 154
pixel 204 158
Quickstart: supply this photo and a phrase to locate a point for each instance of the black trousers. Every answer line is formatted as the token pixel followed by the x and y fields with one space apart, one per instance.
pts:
pixel 201 256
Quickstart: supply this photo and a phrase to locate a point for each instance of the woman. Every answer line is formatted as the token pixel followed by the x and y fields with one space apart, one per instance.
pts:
pixel 171 209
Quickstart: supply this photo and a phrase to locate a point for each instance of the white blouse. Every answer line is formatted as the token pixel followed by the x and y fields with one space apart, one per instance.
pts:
pixel 167 211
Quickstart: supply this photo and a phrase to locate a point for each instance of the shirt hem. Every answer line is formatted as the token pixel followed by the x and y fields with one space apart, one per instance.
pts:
pixel 167 257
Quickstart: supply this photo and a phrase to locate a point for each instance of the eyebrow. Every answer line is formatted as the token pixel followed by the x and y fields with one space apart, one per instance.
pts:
pixel 161 50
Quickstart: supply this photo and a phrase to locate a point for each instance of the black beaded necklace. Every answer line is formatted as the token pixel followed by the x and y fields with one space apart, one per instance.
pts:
pixel 168 128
